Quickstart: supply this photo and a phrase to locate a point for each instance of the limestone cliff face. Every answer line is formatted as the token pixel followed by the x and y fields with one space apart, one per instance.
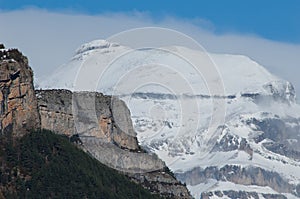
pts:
pixel 238 175
pixel 247 176
pixel 55 109
pixel 18 104
pixel 87 114
pixel 104 127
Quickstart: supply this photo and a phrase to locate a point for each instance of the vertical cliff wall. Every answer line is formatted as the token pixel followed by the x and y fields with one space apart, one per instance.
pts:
pixel 87 114
pixel 18 104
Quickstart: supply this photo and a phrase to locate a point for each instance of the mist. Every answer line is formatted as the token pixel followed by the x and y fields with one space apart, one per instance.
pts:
pixel 49 39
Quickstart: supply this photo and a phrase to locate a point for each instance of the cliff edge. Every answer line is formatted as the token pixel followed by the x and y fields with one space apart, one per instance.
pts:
pixel 99 124
pixel 18 104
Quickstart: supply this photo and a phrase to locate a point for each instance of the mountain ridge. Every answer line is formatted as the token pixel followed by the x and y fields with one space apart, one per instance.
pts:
pixel 261 123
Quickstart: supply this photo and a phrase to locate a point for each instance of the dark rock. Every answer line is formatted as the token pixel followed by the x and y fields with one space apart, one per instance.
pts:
pixel 283 150
pixel 237 175
pixel 239 195
pixel 231 142
pixel 162 182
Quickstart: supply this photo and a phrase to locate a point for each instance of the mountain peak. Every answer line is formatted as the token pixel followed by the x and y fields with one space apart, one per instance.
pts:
pixel 256 137
pixel 96 44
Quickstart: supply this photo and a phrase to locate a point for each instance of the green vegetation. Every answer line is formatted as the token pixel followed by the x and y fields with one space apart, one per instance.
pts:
pixel 46 165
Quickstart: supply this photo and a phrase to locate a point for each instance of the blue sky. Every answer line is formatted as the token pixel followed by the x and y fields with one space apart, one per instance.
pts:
pixel 266 31
pixel 271 19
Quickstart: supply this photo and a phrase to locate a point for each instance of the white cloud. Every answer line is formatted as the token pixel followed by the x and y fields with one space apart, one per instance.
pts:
pixel 49 39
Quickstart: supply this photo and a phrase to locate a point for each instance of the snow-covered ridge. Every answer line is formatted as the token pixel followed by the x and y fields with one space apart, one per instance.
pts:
pixel 96 44
pixel 238 73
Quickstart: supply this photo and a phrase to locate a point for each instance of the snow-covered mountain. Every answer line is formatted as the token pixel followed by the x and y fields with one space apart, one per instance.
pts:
pixel 225 125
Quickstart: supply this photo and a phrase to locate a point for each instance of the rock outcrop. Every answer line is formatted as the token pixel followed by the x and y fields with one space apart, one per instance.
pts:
pixel 103 126
pixel 239 194
pixel 246 176
pixel 163 183
pixel 238 175
pixel 18 104
pixel 87 114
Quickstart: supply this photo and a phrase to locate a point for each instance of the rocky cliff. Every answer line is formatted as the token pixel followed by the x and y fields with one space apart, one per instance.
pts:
pixel 100 125
pixel 87 114
pixel 18 104
pixel 245 176
pixel 103 126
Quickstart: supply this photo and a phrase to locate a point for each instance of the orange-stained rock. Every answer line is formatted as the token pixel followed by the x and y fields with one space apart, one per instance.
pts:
pixel 23 89
pixel 14 92
pixel 7 120
pixel 105 126
pixel 18 111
